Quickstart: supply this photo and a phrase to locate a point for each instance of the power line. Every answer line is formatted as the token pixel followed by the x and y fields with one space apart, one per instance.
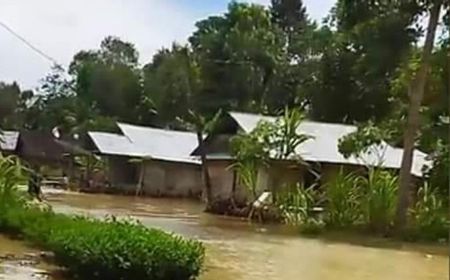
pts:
pixel 29 44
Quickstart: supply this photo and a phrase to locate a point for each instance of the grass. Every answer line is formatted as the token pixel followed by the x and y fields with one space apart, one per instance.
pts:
pixel 364 203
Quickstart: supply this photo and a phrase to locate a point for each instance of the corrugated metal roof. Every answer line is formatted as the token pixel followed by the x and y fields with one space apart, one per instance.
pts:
pixel 323 147
pixel 8 140
pixel 163 144
pixel 114 144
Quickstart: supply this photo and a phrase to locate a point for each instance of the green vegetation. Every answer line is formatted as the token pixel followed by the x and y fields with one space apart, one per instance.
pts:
pixel 296 205
pixel 97 249
pixel 268 141
pixel 379 199
pixel 429 216
pixel 343 197
pixel 357 202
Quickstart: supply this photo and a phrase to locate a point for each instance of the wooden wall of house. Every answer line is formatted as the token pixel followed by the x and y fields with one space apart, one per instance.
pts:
pixel 122 173
pixel 223 181
pixel 172 179
pixel 272 178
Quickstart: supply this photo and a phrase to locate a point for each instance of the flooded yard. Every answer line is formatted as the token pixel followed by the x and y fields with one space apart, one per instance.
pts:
pixel 242 251
pixel 21 262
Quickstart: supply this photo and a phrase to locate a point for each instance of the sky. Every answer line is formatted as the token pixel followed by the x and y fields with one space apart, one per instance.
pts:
pixel 61 28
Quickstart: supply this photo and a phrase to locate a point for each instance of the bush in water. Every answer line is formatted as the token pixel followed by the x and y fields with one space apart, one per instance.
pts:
pixel 379 199
pixel 343 208
pixel 110 249
pixel 429 216
pixel 296 204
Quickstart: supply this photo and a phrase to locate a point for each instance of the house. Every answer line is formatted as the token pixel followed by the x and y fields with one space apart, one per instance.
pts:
pixel 153 161
pixel 319 154
pixel 8 142
pixel 43 149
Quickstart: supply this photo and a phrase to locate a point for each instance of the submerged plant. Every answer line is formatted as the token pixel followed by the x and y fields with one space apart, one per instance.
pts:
pixel 295 203
pixel 379 199
pixel 429 215
pixel 343 207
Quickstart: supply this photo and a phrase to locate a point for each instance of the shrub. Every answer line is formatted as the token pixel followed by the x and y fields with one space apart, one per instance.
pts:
pixel 295 203
pixel 11 172
pixel 296 207
pixel 343 207
pixel 109 249
pixel 379 199
pixel 429 216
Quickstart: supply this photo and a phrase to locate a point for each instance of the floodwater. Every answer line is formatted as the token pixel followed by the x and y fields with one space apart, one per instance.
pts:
pixel 21 262
pixel 241 251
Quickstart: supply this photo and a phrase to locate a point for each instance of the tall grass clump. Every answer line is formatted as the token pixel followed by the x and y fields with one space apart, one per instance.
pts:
pixel 97 249
pixel 343 207
pixel 296 203
pixel 379 199
pixel 11 173
pixel 429 216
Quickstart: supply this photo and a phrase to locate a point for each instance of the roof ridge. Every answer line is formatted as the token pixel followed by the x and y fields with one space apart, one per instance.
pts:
pixel 157 129
pixel 305 121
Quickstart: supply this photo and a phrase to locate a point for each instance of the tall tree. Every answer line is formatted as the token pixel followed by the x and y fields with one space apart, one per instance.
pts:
pixel 109 79
pixel 14 104
pixel 59 106
pixel 239 54
pixel 291 17
pixel 415 92
pixel 289 14
pixel 167 83
pixel 371 40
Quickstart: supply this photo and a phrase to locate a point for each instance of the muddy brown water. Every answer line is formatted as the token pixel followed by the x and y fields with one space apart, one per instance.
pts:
pixel 242 251
pixel 18 261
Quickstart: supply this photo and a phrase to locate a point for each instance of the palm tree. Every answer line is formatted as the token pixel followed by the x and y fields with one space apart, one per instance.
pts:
pixel 203 126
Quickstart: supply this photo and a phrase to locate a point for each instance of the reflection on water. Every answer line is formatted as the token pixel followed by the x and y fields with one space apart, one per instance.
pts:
pixel 239 250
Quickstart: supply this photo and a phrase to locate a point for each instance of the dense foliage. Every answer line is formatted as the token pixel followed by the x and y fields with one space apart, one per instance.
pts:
pixel 355 201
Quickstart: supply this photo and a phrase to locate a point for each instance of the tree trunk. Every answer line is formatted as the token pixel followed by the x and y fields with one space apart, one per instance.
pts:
pixel 416 92
pixel 448 65
pixel 205 171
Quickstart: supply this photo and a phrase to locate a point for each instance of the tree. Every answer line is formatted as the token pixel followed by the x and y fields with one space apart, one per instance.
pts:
pixel 13 105
pixel 203 126
pixel 239 54
pixel 289 14
pixel 166 83
pixel 416 92
pixel 361 58
pixel 291 17
pixel 109 79
pixel 59 106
